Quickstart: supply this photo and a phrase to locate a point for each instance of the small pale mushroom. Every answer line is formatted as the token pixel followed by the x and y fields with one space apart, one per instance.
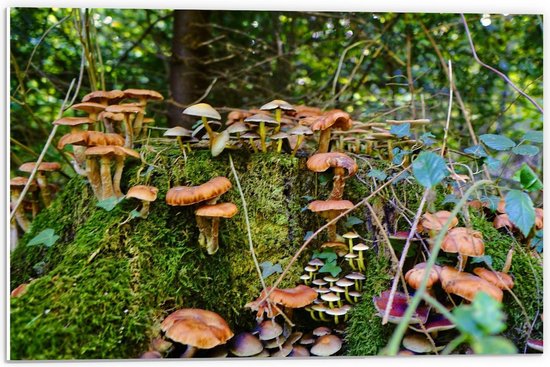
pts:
pixel 279 137
pixel 418 343
pixel 42 181
pixel 208 220
pixel 300 132
pixel 146 194
pixel 179 132
pixel 245 345
pixel 262 120
pixel 326 345
pixel 341 163
pixel 205 112
pixel 335 119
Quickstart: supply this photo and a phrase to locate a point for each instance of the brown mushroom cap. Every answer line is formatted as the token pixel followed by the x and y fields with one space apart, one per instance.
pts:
pixel 143 192
pixel 44 166
pixel 466 285
pixel 111 116
pixel 500 279
pixel 435 221
pixel 320 162
pixel 74 121
pixel 539 218
pixel 111 150
pixel 124 108
pixel 90 138
pixel 199 328
pixel 415 275
pixel 21 182
pixel 222 210
pixel 296 297
pixel 326 345
pixel 329 205
pixel 335 119
pixel 112 96
pixel 89 107
pixel 202 110
pixel 502 220
pixel 143 93
pixel 278 103
pixel 183 195
pixel 464 241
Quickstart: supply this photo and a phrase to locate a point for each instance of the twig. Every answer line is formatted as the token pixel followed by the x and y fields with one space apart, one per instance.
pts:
pixel 498 72
pixel 450 68
pixel 42 154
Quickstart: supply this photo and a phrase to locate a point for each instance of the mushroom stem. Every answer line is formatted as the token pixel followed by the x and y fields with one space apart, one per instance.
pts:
pixel 390 150
pixel 209 130
pixel 44 189
pixel 189 352
pixel 251 141
pixel 312 314
pixel 20 216
pixel 106 180
pixel 138 123
pixel 462 259
pixel 129 141
pixel 262 136
pixel 338 185
pixel 361 261
pixel 297 146
pixel 180 143
pixel 332 232
pixel 212 242
pixel 92 172
pixel 119 167
pixel 14 235
pixel 204 228
pixel 144 212
pixel 324 141
pixel 279 145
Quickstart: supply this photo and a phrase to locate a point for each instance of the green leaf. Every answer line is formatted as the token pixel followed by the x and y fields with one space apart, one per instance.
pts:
pixel 492 163
pixel 399 155
pixel 492 201
pixel 534 136
pixel 465 322
pixel 47 238
pixel 401 130
pixel 376 173
pixel 538 241
pixel 429 169
pixel 528 150
pixel 352 221
pixel 328 254
pixel 426 138
pixel 520 210
pixel 527 178
pixel 109 203
pixel 451 198
pixel 497 142
pixel 485 259
pixel 134 214
pixel 476 150
pixel 494 345
pixel 331 267
pixel 268 268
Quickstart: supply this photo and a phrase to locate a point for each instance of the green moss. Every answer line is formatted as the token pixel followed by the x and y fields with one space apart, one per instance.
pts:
pixel 528 277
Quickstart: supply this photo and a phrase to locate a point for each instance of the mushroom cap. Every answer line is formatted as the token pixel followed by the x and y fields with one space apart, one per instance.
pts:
pixel 44 166
pixel 436 322
pixel 250 135
pixel 399 307
pixel 319 282
pixel 143 192
pixel 151 354
pixel 330 297
pixel 300 130
pixel 344 282
pixel 200 328
pixel 245 345
pixel 316 262
pixel 536 344
pixel 89 107
pixel 338 311
pixel 415 275
pixel 237 127
pixel 20 182
pixel 183 195
pixel 299 351
pixel 222 210
pixel 329 205
pixel 321 330
pixel 74 121
pixel 435 221
pixel 278 103
pixel 339 247
pixel 102 150
pixel 417 343
pixel 355 276
pixel 307 111
pixel 260 117
pixel 335 119
pixel 124 108
pixel 350 235
pixel 466 285
pixel 117 117
pixel 502 220
pixel 279 136
pixel 269 329
pixel 178 131
pixel 297 297
pixel 326 345
pixel 143 93
pixel 464 241
pixel 202 110
pixel 330 279
pixel 283 351
pixel 360 247
pixel 112 96
pixel 497 278
pixel 237 115
pixel 90 138
pixel 20 290
pixel 320 162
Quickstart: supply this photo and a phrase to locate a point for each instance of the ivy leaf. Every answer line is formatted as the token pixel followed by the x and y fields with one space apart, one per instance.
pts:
pixel 538 241
pixel 352 221
pixel 451 198
pixel 485 259
pixel 534 136
pixel 308 235
pixel 497 142
pixel 426 138
pixel 376 173
pixel 477 151
pixel 331 267
pixel 328 255
pixel 528 150
pixel 492 163
pixel 134 214
pixel 401 130
pixel 401 177
pixel 429 169
pixel 520 210
pixel 47 238
pixel 399 155
pixel 527 178
pixel 494 345
pixel 268 268
pixel 109 203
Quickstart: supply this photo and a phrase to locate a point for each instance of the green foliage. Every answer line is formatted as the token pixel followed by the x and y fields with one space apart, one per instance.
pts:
pixel 429 169
pixel 331 267
pixel 497 142
pixel 520 210
pixel 47 238
pixel 401 130
pixel 527 150
pixel 269 269
pixel 527 178
pixel 109 203
pixel 533 136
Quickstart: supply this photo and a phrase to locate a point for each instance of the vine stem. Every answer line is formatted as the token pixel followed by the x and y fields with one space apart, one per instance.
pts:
pixel 43 153
pixel 393 345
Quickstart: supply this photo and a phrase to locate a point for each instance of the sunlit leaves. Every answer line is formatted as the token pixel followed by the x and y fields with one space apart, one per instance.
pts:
pixel 527 178
pixel 497 142
pixel 429 169
pixel 520 210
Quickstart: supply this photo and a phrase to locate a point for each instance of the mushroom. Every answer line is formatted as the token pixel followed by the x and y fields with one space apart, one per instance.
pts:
pixel 330 209
pixel 341 163
pixel 331 120
pixel 127 110
pixel 278 105
pixel 357 278
pixel 326 345
pixel 433 222
pixel 536 344
pixel 418 343
pixel 346 284
pixel 262 120
pixel 197 329
pixel 279 137
pixel 251 136
pixel 41 179
pixel 339 247
pixel 360 248
pixel 245 345
pixel 208 191
pixel 146 194
pixel 466 285
pixel 143 95
pixel 17 184
pixel 496 278
pixel 74 123
pixel 104 153
pixel 269 329
pixel 300 131
pixel 464 241
pixel 91 108
pixel 399 307
pixel 290 298
pixel 179 132
pixel 205 112
pixel 104 97
pixel 503 221
pixel 111 121
pixel 208 220
pixel 415 275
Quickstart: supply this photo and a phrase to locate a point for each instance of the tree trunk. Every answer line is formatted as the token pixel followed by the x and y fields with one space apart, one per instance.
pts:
pixel 188 74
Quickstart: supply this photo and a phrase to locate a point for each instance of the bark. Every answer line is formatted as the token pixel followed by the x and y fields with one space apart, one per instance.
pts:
pixel 188 75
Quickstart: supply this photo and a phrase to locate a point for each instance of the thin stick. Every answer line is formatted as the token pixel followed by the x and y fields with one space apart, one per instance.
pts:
pixel 42 154
pixel 498 72
pixel 449 110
